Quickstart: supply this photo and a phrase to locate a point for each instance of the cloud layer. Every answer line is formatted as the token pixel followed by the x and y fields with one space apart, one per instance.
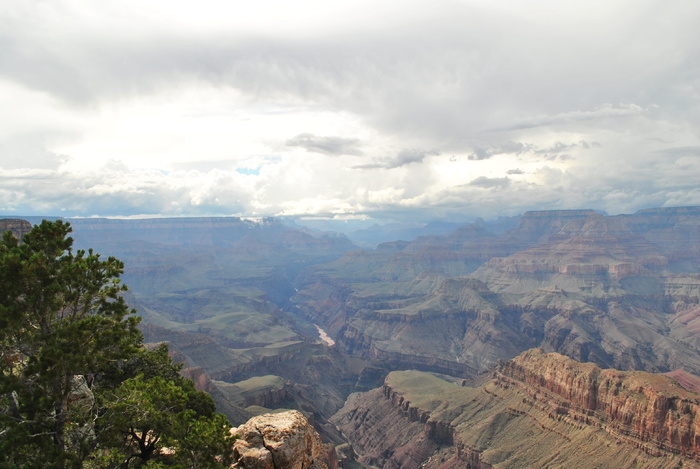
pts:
pixel 399 110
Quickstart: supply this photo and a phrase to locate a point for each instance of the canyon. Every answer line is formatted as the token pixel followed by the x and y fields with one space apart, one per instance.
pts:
pixel 537 410
pixel 267 316
pixel 620 291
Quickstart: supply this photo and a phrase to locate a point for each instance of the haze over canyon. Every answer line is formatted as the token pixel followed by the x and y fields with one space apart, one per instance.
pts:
pixel 553 329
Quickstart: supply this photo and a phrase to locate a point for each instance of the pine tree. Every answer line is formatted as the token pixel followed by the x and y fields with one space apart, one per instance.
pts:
pixel 152 421
pixel 155 415
pixel 61 317
pixel 75 380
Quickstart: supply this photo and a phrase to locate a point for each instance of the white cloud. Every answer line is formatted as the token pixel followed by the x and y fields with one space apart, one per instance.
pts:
pixel 327 145
pixel 462 107
pixel 600 114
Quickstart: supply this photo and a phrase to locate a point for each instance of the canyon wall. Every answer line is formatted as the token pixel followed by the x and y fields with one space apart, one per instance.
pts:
pixel 536 410
pixel 621 291
pixel 645 408
pixel 18 227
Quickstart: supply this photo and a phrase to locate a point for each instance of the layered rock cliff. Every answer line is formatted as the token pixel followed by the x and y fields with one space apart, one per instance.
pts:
pixel 537 410
pixel 621 291
pixel 18 227
pixel 645 408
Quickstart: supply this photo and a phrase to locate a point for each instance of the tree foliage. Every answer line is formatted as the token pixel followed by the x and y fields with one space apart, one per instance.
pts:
pixel 145 419
pixel 75 380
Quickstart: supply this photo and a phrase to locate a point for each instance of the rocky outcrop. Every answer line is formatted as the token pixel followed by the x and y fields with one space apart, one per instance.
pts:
pixel 385 432
pixel 18 227
pixel 643 407
pixel 537 410
pixel 279 441
pixel 594 253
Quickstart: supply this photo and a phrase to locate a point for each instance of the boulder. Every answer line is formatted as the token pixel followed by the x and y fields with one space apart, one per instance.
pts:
pixel 278 441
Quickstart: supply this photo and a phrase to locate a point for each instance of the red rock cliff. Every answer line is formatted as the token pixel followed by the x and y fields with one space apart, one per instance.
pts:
pixel 652 409
pixel 537 410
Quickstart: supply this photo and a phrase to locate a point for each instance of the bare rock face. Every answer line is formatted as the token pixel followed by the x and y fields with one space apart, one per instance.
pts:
pixel 18 227
pixel 538 410
pixel 644 407
pixel 591 254
pixel 279 441
pixel 620 291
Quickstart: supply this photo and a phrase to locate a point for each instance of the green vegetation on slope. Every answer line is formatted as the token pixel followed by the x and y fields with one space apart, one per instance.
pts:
pixel 77 388
pixel 507 427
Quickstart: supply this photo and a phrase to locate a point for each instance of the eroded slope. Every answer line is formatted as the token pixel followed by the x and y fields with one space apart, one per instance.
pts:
pixel 537 410
pixel 620 291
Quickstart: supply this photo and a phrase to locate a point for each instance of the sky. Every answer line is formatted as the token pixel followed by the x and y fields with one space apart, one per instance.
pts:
pixel 380 110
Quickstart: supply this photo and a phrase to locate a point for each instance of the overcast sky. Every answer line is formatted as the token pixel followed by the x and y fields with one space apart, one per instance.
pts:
pixel 392 110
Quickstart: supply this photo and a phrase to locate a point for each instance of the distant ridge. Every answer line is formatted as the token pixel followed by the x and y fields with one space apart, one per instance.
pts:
pixel 18 227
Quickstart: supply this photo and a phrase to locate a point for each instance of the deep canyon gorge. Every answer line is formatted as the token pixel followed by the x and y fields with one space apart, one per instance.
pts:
pixel 553 339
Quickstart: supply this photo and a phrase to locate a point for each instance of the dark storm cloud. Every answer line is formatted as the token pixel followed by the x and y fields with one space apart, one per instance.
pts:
pixel 605 111
pixel 485 153
pixel 410 156
pixel 403 158
pixel 561 150
pixel 679 151
pixel 486 182
pixel 481 154
pixel 557 150
pixel 333 146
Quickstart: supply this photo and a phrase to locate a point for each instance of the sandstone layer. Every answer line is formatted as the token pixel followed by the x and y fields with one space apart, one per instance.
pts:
pixel 538 410
pixel 649 409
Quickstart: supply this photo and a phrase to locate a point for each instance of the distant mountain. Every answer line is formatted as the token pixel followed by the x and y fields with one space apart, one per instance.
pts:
pixel 622 291
pixel 377 234
pixel 368 236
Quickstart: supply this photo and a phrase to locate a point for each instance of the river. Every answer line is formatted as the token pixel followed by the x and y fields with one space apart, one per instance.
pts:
pixel 324 336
